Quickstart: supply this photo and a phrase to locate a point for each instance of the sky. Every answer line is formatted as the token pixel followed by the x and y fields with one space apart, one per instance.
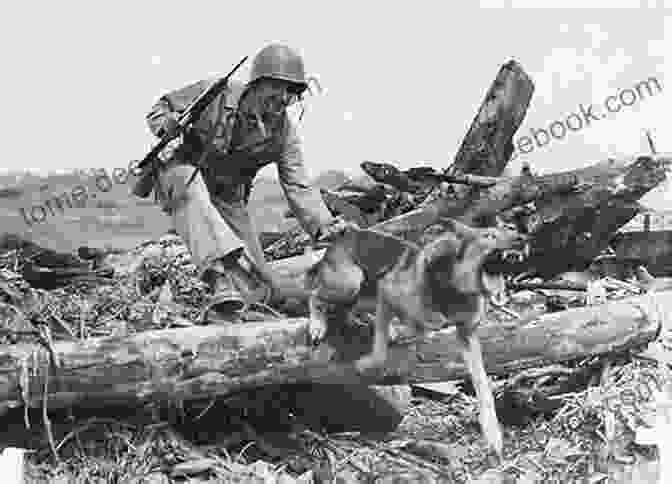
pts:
pixel 401 83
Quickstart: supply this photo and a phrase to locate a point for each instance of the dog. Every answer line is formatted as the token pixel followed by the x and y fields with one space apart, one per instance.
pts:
pixel 449 281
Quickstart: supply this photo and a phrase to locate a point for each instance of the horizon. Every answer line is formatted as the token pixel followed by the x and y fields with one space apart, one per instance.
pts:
pixel 404 99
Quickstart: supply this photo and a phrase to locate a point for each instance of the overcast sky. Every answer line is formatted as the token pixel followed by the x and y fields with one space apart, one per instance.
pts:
pixel 401 82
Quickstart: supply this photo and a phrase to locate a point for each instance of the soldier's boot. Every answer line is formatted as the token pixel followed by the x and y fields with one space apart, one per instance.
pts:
pixel 226 300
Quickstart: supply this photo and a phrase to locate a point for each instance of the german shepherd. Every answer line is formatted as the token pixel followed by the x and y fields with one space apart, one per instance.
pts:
pixel 447 282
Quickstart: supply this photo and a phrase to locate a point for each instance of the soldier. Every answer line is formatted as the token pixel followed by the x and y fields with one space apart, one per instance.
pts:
pixel 244 128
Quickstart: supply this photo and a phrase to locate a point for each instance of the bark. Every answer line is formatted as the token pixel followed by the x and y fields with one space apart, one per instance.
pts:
pixel 485 151
pixel 204 361
pixel 488 145
pixel 481 205
pixel 340 205
pixel 651 249
pixel 570 231
pixel 577 213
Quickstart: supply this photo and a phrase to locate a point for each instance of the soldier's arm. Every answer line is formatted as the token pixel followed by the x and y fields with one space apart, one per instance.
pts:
pixel 304 200
pixel 173 104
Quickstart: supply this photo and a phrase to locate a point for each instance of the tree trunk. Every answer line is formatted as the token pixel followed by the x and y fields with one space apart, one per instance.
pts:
pixel 488 145
pixel 569 231
pixel 485 150
pixel 204 361
pixel 651 249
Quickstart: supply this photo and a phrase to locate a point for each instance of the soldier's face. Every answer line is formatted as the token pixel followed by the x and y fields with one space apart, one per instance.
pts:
pixel 274 96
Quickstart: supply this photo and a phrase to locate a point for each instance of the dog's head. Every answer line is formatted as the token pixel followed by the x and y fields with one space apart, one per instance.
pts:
pixel 472 260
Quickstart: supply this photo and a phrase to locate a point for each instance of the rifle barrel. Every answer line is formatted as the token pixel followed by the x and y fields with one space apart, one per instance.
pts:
pixel 196 107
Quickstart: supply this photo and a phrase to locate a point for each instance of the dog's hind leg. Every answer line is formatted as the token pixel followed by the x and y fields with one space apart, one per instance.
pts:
pixel 473 360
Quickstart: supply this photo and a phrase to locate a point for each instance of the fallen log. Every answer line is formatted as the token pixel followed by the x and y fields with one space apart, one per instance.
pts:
pixel 577 212
pixel 421 179
pixel 479 206
pixel 652 249
pixel 205 361
pixel 568 232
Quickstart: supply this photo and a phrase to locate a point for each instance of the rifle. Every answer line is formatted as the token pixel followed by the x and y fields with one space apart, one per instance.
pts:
pixel 189 116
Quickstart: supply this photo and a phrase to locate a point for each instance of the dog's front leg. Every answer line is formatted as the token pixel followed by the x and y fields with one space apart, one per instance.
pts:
pixel 318 318
pixel 378 355
pixel 473 359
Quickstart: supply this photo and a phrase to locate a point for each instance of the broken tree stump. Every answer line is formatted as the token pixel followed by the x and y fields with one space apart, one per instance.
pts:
pixel 485 150
pixel 206 361
pixel 488 145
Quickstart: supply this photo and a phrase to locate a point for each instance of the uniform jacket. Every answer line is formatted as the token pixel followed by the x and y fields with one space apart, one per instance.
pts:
pixel 238 150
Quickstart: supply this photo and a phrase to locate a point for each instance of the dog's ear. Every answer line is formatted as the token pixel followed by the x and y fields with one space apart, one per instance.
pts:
pixel 467 275
pixel 439 277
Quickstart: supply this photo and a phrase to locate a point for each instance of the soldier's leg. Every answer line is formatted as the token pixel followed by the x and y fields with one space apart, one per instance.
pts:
pixel 251 271
pixel 208 236
pixel 260 282
pixel 242 224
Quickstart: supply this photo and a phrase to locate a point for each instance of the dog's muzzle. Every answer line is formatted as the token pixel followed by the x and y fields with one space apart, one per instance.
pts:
pixel 499 260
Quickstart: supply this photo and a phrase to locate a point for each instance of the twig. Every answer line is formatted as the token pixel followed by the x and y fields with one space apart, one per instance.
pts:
pixel 551 286
pixel 266 307
pixel 205 410
pixel 88 425
pixel 114 315
pixel 242 451
pixel 348 459
pixel 504 309
pixel 536 373
pixel 407 457
pixel 24 379
pixel 45 416
pixel 61 322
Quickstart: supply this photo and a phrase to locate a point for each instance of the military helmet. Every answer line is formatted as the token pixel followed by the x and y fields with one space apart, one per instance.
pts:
pixel 277 61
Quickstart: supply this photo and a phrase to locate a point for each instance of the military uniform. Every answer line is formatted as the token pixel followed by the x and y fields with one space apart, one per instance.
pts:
pixel 234 143
pixel 230 176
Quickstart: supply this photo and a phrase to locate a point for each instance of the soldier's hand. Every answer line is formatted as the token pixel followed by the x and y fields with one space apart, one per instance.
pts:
pixel 337 227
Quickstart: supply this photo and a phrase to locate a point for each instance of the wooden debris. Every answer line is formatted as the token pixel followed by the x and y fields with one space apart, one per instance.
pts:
pixel 200 362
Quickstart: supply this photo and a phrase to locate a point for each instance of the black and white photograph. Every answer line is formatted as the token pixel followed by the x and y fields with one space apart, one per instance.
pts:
pixel 332 243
